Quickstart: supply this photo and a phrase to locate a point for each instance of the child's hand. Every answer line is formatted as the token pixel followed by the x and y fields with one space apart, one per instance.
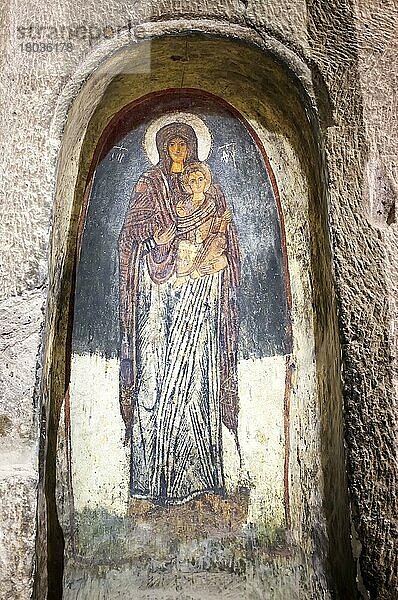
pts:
pixel 227 216
pixel 214 265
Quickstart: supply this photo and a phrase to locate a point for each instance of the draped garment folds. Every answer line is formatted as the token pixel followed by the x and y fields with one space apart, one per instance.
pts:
pixel 178 357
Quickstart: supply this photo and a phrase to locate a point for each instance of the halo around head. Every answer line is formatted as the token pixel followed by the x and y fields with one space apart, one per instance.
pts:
pixel 198 125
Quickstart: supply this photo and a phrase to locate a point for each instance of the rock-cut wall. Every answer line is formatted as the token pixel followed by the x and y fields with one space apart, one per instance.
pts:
pixel 344 54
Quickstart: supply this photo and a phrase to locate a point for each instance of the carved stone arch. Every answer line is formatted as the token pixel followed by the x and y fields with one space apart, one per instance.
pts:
pixel 274 96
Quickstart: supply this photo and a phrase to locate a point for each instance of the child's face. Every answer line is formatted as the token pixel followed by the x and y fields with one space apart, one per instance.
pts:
pixel 197 182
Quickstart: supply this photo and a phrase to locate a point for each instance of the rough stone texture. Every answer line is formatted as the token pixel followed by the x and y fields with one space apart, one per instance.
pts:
pixel 378 51
pixel 21 319
pixel 349 47
pixel 362 280
pixel 17 531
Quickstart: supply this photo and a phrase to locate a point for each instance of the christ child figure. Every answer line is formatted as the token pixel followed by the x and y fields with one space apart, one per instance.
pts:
pixel 201 231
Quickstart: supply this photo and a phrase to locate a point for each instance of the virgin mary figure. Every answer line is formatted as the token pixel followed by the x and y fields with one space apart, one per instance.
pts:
pixel 178 357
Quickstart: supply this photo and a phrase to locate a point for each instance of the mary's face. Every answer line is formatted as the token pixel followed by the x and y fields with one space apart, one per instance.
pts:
pixel 178 150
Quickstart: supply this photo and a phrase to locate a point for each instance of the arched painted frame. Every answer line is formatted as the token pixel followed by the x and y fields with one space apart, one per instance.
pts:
pixel 151 331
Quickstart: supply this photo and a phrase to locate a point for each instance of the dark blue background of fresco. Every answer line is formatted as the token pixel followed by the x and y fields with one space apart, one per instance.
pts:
pixel 263 306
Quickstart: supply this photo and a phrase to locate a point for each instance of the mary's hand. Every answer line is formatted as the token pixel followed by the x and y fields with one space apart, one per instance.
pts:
pixel 165 236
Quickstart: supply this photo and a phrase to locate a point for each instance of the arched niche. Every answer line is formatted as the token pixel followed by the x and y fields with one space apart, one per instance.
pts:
pixel 307 552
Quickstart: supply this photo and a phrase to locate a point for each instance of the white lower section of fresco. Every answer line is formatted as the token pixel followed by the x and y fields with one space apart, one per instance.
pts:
pixel 261 435
pixel 100 471
pixel 100 461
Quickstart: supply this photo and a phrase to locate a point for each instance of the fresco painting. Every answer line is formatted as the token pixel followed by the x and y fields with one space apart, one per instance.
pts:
pixel 179 269
pixel 181 352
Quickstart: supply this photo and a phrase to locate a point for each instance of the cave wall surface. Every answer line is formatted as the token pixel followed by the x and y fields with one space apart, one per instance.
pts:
pixel 344 53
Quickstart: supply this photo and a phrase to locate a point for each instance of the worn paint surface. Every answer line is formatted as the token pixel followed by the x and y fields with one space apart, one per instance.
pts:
pixel 111 519
pixel 35 126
